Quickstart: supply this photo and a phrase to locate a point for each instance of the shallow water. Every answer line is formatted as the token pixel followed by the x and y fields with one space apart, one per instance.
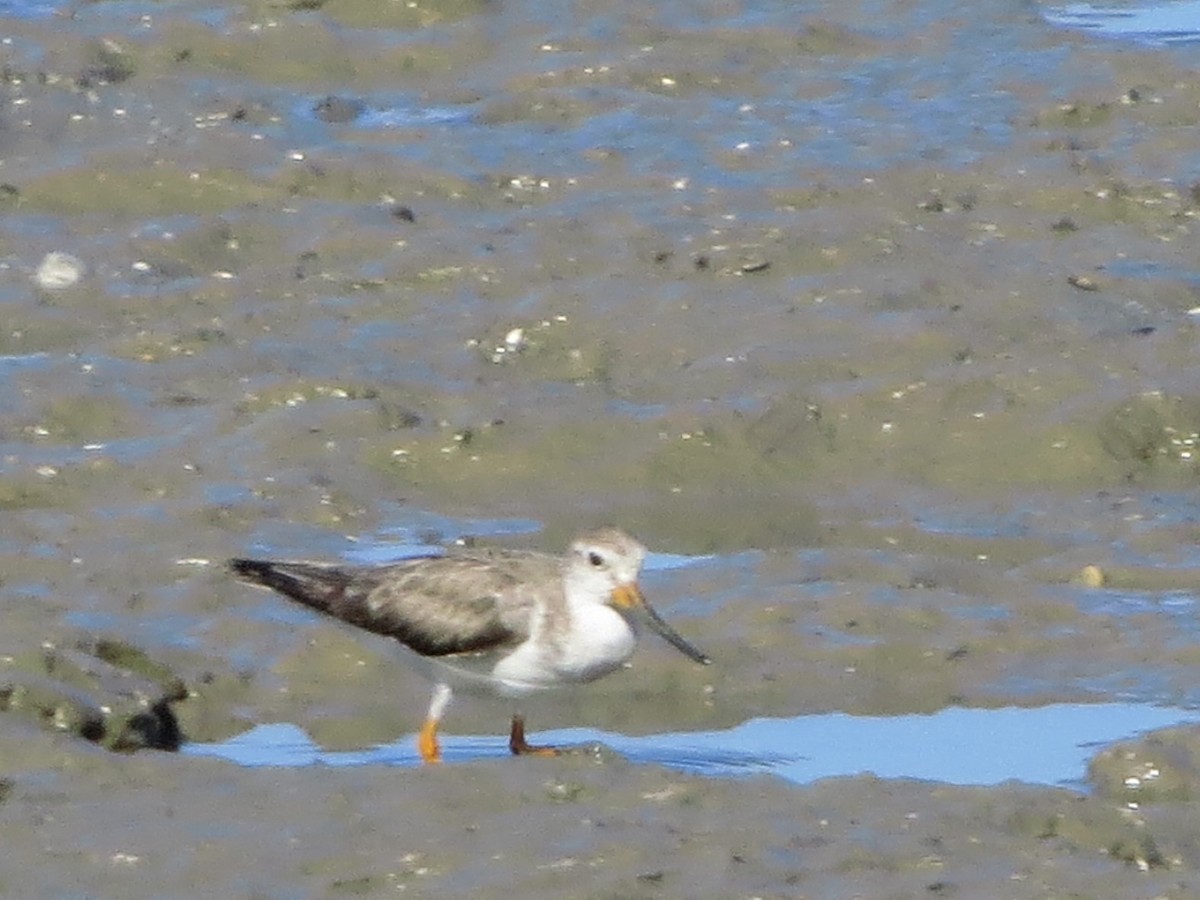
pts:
pixel 1155 24
pixel 1048 745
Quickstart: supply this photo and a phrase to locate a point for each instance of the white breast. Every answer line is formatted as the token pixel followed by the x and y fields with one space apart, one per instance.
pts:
pixel 598 642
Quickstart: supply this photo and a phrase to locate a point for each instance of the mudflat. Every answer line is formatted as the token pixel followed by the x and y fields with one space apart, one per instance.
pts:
pixel 877 324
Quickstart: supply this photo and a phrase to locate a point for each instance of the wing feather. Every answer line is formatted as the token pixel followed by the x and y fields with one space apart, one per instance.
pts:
pixel 462 602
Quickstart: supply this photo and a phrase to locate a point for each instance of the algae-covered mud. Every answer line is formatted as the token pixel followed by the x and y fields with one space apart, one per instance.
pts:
pixel 877 323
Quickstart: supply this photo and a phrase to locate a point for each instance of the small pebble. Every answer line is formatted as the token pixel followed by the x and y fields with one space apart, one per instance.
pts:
pixel 59 271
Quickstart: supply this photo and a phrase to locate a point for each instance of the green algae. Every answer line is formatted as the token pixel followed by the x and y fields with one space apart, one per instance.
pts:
pixel 268 55
pixel 155 347
pixel 44 331
pixel 85 419
pixel 214 245
pixel 132 659
pixel 1063 820
pixel 118 189
pixel 1153 430
pixel 1160 767
pixel 25 492
pixel 106 62
pixel 67 487
pixel 396 406
pixel 553 350
pixel 1078 114
pixel 372 180
pixel 401 16
pixel 113 187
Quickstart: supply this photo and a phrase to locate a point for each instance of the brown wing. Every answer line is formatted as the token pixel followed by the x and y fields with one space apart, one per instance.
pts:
pixel 457 603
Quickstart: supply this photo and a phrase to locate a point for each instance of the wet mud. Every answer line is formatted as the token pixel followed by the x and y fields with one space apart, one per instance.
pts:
pixel 883 324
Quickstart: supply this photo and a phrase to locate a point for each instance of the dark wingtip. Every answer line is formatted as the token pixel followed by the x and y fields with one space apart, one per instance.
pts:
pixel 256 571
pixel 245 567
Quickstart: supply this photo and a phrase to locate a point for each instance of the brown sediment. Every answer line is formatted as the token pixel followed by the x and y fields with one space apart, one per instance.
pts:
pixel 913 393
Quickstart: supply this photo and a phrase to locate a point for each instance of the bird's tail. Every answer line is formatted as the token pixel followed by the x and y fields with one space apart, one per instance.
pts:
pixel 321 587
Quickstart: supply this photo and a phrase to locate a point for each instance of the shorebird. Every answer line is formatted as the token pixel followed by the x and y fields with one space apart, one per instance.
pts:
pixel 506 622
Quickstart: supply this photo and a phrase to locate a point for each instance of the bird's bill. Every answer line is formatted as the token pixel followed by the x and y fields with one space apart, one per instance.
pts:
pixel 629 597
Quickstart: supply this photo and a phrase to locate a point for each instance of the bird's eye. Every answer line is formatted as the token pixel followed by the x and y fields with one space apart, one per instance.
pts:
pixel 595 559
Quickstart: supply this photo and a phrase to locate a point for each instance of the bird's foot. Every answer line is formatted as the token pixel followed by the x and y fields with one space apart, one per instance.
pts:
pixel 521 747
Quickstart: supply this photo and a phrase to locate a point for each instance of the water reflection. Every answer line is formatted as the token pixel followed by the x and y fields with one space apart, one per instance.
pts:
pixel 1156 24
pixel 1041 745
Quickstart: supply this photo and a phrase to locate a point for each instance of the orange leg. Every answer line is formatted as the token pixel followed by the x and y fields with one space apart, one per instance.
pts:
pixel 519 746
pixel 427 742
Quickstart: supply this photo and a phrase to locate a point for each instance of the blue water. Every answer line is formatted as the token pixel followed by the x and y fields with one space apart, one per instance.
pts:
pixel 1047 745
pixel 1154 24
